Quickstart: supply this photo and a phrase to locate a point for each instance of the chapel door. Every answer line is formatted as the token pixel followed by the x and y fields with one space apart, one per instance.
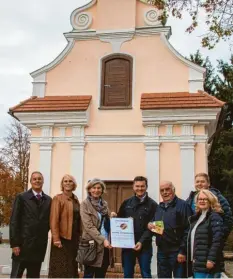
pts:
pixel 117 192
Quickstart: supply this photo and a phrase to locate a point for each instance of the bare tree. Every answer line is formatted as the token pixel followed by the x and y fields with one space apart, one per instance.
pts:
pixel 16 152
pixel 218 16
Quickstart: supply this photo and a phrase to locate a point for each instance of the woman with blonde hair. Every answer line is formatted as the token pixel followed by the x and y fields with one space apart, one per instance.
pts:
pixel 206 237
pixel 65 224
pixel 95 220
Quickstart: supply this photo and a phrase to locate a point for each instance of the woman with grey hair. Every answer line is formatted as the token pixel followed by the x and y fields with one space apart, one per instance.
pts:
pixel 95 219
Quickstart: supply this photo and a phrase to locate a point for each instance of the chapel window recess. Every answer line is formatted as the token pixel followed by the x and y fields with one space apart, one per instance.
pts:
pixel 116 82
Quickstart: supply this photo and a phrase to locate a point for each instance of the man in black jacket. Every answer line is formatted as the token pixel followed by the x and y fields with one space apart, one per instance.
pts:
pixel 141 208
pixel 170 225
pixel 202 181
pixel 29 227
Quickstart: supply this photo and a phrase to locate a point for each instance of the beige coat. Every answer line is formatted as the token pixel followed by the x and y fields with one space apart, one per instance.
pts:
pixel 91 223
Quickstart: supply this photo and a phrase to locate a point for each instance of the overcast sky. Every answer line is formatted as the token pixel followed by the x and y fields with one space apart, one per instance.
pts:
pixel 31 33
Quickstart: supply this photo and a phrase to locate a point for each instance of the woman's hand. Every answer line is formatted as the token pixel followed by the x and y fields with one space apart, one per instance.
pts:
pixel 113 214
pixel 107 244
pixel 150 226
pixel 16 251
pixel 181 258
pixel 138 246
pixel 57 244
pixel 209 265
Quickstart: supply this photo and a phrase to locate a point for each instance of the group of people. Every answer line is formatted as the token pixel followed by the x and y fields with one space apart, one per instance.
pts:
pixel 189 234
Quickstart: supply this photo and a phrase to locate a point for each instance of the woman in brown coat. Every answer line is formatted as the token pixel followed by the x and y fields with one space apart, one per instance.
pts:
pixel 65 226
pixel 95 219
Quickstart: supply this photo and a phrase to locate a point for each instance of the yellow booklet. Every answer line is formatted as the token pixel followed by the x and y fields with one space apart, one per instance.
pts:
pixel 158 227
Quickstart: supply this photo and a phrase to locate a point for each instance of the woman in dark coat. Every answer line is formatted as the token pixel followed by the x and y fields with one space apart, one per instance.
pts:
pixel 206 237
pixel 65 223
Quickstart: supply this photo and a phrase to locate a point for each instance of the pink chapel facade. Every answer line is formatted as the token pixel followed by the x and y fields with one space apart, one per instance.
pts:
pixel 119 101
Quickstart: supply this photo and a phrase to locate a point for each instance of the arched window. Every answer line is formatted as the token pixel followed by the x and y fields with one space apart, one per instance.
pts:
pixel 116 82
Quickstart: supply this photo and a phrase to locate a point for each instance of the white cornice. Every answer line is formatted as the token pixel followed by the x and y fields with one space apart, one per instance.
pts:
pixel 149 31
pixel 115 34
pixel 125 139
pixel 121 33
pixel 179 116
pixel 180 57
pixel 82 35
pixel 56 61
pixel 35 119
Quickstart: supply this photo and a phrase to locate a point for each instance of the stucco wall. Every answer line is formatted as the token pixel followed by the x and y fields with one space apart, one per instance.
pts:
pixel 114 161
pixel 60 165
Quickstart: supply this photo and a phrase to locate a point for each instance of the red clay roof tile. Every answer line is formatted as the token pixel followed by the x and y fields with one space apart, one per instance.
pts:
pixel 53 103
pixel 179 100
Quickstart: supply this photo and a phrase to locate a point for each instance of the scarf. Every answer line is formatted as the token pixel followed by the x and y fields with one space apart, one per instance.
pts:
pixel 100 205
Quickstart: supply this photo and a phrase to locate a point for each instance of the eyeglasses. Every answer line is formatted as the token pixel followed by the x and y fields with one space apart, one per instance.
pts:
pixel 66 181
pixel 203 200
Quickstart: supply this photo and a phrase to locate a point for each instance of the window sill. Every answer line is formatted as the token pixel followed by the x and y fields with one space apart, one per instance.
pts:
pixel 115 108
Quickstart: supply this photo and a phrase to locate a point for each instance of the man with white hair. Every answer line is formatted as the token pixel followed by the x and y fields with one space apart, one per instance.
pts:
pixel 170 225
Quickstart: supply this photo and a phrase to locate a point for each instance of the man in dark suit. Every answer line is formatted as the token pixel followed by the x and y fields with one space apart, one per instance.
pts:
pixel 29 227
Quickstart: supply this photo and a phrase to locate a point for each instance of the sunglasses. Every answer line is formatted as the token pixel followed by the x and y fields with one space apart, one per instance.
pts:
pixel 66 181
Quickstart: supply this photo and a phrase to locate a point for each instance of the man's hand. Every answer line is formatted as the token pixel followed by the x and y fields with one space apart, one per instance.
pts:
pixel 150 226
pixel 57 244
pixel 16 251
pixel 209 265
pixel 113 214
pixel 181 258
pixel 107 244
pixel 138 246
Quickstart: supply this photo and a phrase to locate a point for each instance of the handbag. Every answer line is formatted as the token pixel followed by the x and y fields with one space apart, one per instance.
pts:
pixel 87 252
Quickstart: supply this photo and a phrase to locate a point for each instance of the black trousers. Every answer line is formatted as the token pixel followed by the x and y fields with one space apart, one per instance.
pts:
pixel 97 272
pixel 18 267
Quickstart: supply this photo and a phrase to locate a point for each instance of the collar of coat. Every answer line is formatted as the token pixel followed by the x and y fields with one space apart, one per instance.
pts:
pixel 70 198
pixel 211 189
pixel 172 203
pixel 144 199
pixel 32 196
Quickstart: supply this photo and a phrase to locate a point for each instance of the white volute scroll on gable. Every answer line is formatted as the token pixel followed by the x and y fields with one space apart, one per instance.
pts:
pixel 81 21
pixel 151 17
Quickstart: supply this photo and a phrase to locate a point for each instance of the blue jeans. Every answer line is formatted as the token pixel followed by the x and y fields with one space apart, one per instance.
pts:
pixel 206 275
pixel 129 260
pixel 167 265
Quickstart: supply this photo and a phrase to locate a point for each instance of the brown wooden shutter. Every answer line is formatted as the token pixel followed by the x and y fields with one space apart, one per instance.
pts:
pixel 116 82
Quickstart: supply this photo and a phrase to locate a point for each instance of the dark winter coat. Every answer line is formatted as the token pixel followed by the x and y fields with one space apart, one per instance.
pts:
pixel 29 226
pixel 175 218
pixel 208 243
pixel 142 213
pixel 227 217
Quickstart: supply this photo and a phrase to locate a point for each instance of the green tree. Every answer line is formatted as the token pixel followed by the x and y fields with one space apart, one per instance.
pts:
pixel 220 84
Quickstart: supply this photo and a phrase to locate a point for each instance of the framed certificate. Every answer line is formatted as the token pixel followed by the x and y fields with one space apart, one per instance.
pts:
pixel 122 232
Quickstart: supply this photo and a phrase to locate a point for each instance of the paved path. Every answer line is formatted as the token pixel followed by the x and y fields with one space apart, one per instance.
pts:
pixel 5 260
